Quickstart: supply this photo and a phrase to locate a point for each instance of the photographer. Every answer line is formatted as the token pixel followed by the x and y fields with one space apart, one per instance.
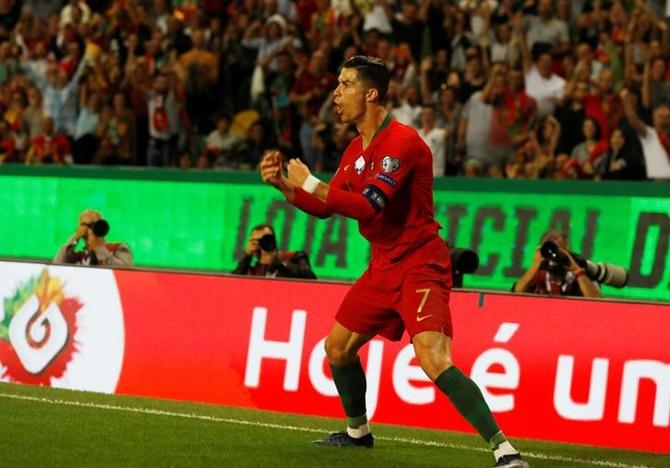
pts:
pixel 92 230
pixel 561 275
pixel 270 261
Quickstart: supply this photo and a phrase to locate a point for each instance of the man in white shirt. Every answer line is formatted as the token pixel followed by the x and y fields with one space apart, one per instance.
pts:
pixel 409 108
pixel 542 84
pixel 655 140
pixel 434 137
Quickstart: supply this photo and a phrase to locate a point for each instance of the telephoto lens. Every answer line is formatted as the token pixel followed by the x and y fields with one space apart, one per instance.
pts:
pixel 607 273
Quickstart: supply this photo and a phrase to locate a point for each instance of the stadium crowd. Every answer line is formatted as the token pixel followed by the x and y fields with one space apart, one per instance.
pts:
pixel 558 89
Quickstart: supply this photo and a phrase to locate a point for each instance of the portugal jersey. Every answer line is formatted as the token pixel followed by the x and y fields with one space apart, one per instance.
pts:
pixel 394 176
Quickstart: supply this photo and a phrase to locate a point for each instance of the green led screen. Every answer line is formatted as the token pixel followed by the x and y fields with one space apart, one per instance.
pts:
pixel 201 221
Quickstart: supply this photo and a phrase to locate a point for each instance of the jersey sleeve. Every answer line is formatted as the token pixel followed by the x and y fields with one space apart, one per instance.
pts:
pixel 310 204
pixel 395 165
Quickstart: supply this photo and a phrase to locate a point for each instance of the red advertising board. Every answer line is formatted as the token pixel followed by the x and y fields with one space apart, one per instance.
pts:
pixel 593 372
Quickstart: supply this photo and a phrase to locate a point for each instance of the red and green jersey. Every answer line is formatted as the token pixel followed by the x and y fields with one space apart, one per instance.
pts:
pixel 388 188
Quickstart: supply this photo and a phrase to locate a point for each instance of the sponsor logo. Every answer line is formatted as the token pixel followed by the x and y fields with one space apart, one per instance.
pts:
pixel 390 164
pixel 359 165
pixel 38 331
pixel 60 327
pixel 386 179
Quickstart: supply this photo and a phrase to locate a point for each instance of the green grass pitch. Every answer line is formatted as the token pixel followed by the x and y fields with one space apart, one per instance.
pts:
pixel 44 427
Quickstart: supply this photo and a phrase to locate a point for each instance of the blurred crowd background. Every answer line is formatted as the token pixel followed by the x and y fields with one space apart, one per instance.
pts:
pixel 558 89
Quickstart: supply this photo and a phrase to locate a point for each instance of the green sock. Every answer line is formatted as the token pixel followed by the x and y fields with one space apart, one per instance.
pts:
pixel 350 382
pixel 469 401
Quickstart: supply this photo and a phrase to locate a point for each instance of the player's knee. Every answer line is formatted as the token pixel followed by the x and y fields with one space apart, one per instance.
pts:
pixel 431 360
pixel 337 352
pixel 434 365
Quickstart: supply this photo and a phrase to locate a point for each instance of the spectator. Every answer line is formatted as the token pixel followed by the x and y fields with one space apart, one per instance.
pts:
pixel 408 25
pixel 521 108
pixel 91 230
pixel 163 119
pixel 474 134
pixel 546 28
pixel 280 89
pixel 433 73
pixel 50 146
pixel 563 277
pixel 474 77
pixel 15 115
pixel 434 137
pixel 7 143
pixel 570 115
pixel 504 47
pixel 9 66
pixel 254 146
pixel 408 107
pixel 542 84
pixel 513 110
pixel 59 93
pixel 592 148
pixel 655 87
pixel 221 139
pixel 604 106
pixel 655 140
pixel 312 86
pixel 68 11
pixel 268 260
pixel 198 69
pixel 116 134
pixel 332 140
pixel 86 141
pixel 621 162
pixel 34 112
pixel 448 117
pixel 268 39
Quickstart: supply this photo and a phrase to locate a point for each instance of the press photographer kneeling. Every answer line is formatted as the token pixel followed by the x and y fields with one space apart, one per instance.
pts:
pixel 269 260
pixel 556 271
pixel 91 230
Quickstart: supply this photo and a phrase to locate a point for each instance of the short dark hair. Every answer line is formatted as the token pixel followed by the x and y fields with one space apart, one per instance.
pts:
pixel 539 49
pixel 596 126
pixel 258 227
pixel 372 71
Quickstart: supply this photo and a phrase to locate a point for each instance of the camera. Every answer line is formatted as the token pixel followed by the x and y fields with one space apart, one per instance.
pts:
pixel 268 243
pixel 554 260
pixel 605 273
pixel 100 227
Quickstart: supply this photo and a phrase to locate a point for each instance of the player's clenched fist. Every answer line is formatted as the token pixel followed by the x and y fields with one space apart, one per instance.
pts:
pixel 297 172
pixel 271 168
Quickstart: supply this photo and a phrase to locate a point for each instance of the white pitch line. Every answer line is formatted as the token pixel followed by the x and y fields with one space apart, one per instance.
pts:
pixel 243 422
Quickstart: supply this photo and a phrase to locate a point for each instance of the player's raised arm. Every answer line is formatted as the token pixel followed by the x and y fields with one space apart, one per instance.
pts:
pixel 334 200
pixel 378 191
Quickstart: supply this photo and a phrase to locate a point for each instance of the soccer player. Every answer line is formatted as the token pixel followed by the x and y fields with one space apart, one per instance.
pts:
pixel 385 181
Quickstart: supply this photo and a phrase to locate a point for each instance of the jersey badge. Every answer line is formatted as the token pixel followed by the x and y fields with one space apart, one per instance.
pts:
pixel 359 165
pixel 390 164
